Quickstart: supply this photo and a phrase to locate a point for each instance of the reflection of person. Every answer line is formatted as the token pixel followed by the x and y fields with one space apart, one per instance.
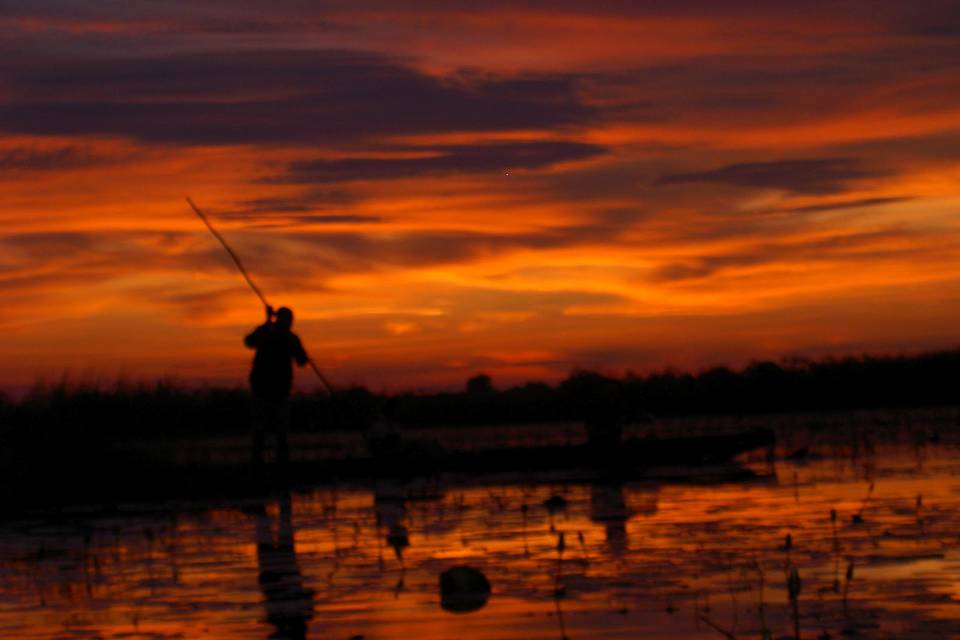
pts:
pixel 393 513
pixel 289 604
pixel 608 506
pixel 272 377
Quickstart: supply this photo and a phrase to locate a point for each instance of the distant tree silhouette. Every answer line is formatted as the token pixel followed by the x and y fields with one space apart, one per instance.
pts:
pixel 480 384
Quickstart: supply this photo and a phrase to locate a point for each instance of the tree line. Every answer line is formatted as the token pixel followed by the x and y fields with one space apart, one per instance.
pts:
pixel 792 385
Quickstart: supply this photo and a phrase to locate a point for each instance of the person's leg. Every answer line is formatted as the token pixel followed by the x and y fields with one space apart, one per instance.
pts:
pixel 260 420
pixel 282 426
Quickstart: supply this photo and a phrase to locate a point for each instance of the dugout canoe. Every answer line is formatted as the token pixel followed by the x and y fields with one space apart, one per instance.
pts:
pixel 625 456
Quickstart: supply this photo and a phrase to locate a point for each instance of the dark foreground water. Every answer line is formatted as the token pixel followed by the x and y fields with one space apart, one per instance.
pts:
pixel 872 512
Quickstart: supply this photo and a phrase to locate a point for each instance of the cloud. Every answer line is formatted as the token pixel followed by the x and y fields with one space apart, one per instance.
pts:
pixel 302 209
pixel 338 219
pixel 474 301
pixel 65 274
pixel 301 203
pixel 107 254
pixel 892 12
pixel 277 222
pixel 443 160
pixel 861 203
pixel 30 286
pixel 864 248
pixel 299 260
pixel 808 176
pixel 27 159
pixel 348 251
pixel 293 97
pixel 48 244
pixel 306 260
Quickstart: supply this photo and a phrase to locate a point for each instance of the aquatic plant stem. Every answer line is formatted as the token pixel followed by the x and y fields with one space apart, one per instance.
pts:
pixel 761 605
pixel 713 625
pixel 793 589
pixel 836 551
pixel 846 588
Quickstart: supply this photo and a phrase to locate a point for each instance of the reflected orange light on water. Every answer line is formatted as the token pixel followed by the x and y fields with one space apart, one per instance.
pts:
pixel 654 557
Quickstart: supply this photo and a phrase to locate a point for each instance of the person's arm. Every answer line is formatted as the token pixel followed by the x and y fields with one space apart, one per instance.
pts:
pixel 256 336
pixel 299 354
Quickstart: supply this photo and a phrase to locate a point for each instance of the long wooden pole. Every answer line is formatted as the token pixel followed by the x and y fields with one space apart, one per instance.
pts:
pixel 236 258
pixel 246 276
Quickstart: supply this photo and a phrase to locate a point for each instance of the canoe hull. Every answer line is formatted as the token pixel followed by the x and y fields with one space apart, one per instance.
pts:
pixel 625 456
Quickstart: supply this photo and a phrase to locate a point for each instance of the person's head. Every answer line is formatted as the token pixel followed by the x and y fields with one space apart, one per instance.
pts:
pixel 284 318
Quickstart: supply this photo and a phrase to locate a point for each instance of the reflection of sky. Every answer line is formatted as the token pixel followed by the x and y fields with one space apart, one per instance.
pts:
pixel 195 573
pixel 436 190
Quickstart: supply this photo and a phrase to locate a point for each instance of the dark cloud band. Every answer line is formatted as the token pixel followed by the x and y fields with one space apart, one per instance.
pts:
pixel 441 161
pixel 289 97
pixel 808 176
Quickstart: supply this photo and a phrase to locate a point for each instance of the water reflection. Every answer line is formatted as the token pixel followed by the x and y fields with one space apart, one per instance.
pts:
pixel 650 558
pixel 391 512
pixel 288 603
pixel 390 509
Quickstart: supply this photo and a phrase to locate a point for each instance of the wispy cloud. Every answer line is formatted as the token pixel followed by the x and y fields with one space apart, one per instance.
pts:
pixel 27 159
pixel 805 176
pixel 442 160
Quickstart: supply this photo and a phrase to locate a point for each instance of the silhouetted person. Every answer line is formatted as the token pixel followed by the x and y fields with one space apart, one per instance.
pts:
pixel 271 378
pixel 288 603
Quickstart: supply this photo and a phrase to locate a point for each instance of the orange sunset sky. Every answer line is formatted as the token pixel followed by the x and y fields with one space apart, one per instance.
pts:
pixel 440 188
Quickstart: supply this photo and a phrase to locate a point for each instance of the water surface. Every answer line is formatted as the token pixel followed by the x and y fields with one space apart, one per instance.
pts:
pixel 873 525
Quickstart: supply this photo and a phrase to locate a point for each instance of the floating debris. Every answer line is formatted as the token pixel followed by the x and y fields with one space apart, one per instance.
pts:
pixel 463 589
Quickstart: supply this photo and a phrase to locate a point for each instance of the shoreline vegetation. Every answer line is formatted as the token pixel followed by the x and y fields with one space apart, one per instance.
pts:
pixel 67 444
pixel 166 408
